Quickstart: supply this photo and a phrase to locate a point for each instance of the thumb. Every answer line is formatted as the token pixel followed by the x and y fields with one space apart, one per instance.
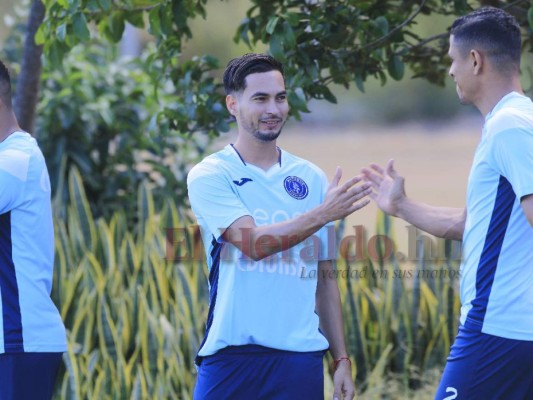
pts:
pixel 336 178
pixel 390 169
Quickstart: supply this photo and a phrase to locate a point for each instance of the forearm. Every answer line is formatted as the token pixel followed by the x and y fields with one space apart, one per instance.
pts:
pixel 443 222
pixel 259 242
pixel 328 307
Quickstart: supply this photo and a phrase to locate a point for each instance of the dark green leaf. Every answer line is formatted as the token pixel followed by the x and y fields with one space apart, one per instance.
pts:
pixel 288 36
pixel 382 24
pixel 276 47
pixel 80 27
pixel 136 18
pixel 116 26
pixel 396 68
pixel 155 22
pixel 271 25
pixel 61 32
pixel 105 4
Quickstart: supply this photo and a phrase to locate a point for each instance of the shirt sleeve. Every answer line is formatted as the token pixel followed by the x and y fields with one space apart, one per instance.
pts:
pixel 214 202
pixel 512 152
pixel 13 173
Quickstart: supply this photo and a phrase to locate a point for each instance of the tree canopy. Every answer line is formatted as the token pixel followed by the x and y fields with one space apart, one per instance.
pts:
pixel 97 120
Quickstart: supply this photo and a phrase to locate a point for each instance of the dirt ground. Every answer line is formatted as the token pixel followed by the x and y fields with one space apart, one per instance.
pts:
pixel 434 158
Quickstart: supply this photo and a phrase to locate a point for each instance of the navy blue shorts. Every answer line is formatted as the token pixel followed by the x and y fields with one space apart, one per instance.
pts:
pixel 28 375
pixel 260 373
pixel 486 367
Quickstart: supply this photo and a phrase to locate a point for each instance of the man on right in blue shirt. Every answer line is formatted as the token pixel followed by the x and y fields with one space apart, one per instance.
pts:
pixel 492 356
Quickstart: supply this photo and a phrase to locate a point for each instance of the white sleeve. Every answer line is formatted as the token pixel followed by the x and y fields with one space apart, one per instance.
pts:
pixel 214 202
pixel 512 152
pixel 13 173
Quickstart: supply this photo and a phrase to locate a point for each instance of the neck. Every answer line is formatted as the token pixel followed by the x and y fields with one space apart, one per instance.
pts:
pixel 261 154
pixel 8 124
pixel 497 88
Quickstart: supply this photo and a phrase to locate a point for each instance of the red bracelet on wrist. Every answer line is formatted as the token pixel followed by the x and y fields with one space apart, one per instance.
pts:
pixel 338 360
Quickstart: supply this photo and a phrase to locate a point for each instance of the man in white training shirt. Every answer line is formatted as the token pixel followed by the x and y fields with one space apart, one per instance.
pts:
pixel 32 335
pixel 492 356
pixel 262 213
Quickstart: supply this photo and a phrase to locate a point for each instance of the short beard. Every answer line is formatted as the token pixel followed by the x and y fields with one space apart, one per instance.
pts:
pixel 267 137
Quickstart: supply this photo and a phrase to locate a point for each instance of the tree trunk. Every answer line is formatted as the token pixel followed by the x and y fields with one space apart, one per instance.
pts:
pixel 27 92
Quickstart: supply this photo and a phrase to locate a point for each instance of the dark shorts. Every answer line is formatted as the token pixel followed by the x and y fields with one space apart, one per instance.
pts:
pixel 259 373
pixel 28 375
pixel 486 367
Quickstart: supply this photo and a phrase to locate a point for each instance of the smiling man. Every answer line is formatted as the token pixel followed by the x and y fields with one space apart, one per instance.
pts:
pixel 265 215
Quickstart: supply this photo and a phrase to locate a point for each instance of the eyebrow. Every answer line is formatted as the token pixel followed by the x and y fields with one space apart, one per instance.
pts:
pixel 263 94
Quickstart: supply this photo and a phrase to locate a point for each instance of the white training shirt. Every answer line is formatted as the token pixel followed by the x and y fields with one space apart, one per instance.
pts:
pixel 29 321
pixel 497 269
pixel 270 302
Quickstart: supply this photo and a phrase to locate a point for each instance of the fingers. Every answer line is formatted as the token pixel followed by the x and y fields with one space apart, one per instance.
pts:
pixel 358 206
pixel 336 178
pixel 390 169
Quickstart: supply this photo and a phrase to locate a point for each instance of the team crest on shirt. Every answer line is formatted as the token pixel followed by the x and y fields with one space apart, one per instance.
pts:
pixel 296 187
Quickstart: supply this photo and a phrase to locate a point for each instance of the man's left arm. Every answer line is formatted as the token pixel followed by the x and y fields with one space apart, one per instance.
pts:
pixel 527 205
pixel 328 307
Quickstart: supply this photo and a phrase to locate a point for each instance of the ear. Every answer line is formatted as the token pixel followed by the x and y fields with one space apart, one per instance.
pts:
pixel 231 104
pixel 477 60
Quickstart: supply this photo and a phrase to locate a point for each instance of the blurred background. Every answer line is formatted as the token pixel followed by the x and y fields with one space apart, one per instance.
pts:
pixel 151 310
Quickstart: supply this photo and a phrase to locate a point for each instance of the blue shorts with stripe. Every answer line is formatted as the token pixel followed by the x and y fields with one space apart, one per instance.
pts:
pixel 487 367
pixel 260 373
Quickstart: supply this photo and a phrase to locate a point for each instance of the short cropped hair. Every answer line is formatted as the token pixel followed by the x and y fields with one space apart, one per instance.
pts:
pixel 493 31
pixel 5 85
pixel 239 68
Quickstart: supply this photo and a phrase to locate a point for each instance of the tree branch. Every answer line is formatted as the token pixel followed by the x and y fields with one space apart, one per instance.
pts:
pixel 27 92
pixel 396 28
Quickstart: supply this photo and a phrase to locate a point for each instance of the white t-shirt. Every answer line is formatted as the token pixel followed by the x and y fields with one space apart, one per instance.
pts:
pixel 497 269
pixel 29 320
pixel 270 302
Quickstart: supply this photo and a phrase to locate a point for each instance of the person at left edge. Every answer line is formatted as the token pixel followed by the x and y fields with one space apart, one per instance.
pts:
pixel 273 310
pixel 32 335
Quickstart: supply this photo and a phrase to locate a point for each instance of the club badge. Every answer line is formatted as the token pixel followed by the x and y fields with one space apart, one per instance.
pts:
pixel 296 187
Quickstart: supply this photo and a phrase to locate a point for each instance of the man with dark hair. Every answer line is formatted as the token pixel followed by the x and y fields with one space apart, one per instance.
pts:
pixel 266 222
pixel 32 335
pixel 492 357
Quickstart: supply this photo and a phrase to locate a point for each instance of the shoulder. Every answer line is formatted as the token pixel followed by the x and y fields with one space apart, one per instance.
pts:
pixel 211 166
pixel 16 153
pixel 302 164
pixel 516 114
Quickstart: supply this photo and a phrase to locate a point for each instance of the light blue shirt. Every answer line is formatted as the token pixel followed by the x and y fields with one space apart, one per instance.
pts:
pixel 270 302
pixel 497 269
pixel 29 320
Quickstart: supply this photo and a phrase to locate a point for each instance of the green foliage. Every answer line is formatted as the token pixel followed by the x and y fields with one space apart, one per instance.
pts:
pixel 135 319
pixel 345 43
pixel 101 115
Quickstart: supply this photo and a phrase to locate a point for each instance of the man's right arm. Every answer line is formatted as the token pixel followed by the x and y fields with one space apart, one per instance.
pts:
pixel 230 220
pixel 389 195
pixel 259 242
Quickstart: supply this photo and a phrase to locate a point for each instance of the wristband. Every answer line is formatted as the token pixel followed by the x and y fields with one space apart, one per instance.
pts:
pixel 338 360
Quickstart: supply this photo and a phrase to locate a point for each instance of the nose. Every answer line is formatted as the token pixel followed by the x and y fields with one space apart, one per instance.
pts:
pixel 450 73
pixel 272 107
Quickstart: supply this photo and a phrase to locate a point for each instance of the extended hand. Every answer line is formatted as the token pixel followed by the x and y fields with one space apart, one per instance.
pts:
pixel 343 200
pixel 388 186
